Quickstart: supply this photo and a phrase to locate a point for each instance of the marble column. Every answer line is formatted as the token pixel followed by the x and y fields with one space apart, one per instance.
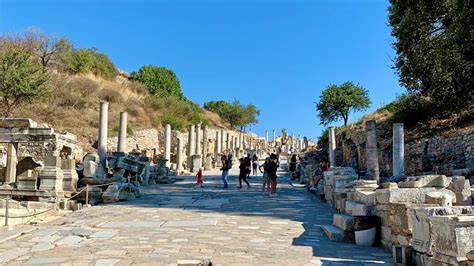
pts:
pixel 222 139
pixel 218 148
pixel 179 156
pixel 227 143
pixel 122 137
pixel 398 150
pixel 205 145
pixel 372 154
pixel 198 139
pixel 191 146
pixel 168 145
pixel 266 137
pixel 102 142
pixel 274 138
pixel 332 146
pixel 12 161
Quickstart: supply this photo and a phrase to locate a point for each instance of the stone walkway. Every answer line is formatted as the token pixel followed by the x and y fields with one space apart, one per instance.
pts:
pixel 180 222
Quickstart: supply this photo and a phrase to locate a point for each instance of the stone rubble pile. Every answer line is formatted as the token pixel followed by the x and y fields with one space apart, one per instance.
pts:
pixel 430 217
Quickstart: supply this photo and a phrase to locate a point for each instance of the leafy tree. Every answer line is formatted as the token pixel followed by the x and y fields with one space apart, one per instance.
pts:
pixel 23 78
pixel 434 46
pixel 235 113
pixel 338 102
pixel 159 81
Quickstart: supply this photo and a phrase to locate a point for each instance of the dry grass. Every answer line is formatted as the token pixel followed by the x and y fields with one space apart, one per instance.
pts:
pixel 74 106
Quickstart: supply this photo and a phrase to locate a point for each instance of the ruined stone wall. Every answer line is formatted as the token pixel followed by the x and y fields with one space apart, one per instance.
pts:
pixel 438 154
pixel 144 139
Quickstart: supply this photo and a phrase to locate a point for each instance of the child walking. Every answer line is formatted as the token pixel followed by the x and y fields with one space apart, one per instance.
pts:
pixel 199 177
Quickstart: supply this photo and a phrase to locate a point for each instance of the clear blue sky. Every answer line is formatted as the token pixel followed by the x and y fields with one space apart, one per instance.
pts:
pixel 277 54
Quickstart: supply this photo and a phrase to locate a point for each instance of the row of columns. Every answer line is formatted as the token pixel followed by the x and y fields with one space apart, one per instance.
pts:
pixel 225 142
pixel 373 171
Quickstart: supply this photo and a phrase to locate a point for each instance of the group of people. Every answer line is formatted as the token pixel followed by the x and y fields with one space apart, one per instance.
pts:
pixel 249 165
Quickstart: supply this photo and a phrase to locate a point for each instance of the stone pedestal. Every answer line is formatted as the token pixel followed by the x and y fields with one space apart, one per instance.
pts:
pixel 196 163
pixel 27 181
pixel 70 176
pixel 51 177
pixel 208 162
pixel 91 162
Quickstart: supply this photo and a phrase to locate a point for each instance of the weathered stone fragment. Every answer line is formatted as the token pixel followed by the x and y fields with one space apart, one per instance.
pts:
pixel 343 222
pixel 414 195
pixel 425 181
pixel 443 199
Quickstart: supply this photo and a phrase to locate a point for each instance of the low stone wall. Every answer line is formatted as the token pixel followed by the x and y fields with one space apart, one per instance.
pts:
pixel 441 155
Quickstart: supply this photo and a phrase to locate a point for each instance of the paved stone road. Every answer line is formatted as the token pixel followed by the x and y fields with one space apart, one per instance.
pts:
pixel 178 222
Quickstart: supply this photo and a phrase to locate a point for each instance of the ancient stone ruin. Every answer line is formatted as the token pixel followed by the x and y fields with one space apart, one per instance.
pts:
pixel 424 220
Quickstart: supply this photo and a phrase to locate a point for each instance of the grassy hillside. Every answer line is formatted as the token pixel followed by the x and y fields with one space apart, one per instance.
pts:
pixel 74 107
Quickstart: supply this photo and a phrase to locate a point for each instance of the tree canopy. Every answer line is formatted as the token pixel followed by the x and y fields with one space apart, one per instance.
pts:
pixel 23 78
pixel 434 46
pixel 159 81
pixel 235 113
pixel 338 101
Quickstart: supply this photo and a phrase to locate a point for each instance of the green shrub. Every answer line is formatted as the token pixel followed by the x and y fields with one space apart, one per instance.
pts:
pixel 409 109
pixel 91 61
pixel 324 137
pixel 176 112
pixel 160 81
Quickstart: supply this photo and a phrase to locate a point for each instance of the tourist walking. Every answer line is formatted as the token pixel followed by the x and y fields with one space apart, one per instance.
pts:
pixel 272 168
pixel 199 178
pixel 266 178
pixel 248 164
pixel 226 166
pixel 244 171
pixel 293 162
pixel 255 164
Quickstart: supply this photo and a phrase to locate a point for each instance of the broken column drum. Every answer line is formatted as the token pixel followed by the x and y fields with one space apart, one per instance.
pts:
pixel 372 154
pixel 102 143
pixel 122 137
pixel 398 150
pixel 168 145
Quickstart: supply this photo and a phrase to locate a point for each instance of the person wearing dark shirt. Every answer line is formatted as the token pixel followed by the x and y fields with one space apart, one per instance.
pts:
pixel 272 167
pixel 266 179
pixel 243 173
pixel 293 163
